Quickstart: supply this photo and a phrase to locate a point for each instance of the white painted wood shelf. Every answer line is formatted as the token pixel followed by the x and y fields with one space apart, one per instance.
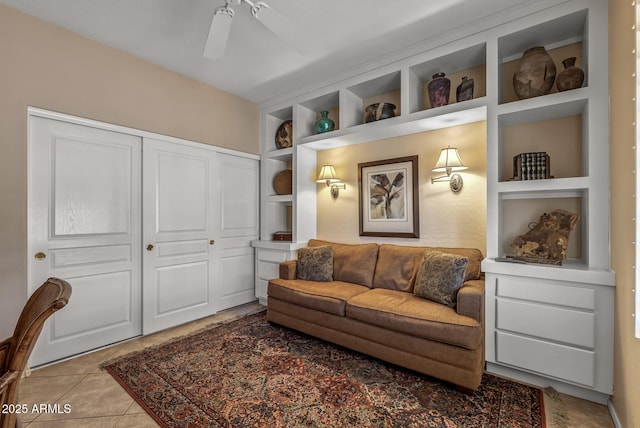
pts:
pixel 581 183
pixel 553 325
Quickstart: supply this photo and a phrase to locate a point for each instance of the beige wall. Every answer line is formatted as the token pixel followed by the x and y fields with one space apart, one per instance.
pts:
pixel 446 218
pixel 622 115
pixel 44 66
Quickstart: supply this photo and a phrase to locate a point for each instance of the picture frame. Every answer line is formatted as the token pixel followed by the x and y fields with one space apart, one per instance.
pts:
pixel 388 198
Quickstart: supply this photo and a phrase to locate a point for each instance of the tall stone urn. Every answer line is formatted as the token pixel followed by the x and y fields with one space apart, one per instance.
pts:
pixel 535 74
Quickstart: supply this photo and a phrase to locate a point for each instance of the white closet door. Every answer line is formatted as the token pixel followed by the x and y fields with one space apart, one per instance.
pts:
pixel 84 227
pixel 239 178
pixel 179 232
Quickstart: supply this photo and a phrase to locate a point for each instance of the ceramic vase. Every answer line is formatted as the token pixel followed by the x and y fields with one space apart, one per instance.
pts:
pixel 371 112
pixel 324 124
pixel 535 74
pixel 464 91
pixel 571 77
pixel 388 110
pixel 438 90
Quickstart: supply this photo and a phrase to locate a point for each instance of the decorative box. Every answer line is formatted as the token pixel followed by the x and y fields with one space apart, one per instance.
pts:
pixel 282 236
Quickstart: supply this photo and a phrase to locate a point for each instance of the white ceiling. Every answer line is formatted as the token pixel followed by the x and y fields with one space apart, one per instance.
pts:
pixel 257 65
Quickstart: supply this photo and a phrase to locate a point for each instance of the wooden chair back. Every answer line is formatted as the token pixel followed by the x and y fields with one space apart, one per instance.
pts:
pixel 50 297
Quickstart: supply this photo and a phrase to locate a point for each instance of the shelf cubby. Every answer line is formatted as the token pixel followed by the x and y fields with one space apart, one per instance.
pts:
pixel 273 121
pixel 279 212
pixel 562 37
pixel 469 62
pixel 356 98
pixel 519 211
pixel 308 112
pixel 272 168
pixel 556 129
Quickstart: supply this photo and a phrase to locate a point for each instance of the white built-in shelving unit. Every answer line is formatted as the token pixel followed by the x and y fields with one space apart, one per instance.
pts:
pixel 553 325
pixel 548 325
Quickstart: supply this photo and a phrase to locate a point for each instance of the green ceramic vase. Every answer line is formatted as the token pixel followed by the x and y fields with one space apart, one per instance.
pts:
pixel 324 124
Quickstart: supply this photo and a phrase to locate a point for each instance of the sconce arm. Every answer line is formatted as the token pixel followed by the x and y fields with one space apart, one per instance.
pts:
pixel 441 178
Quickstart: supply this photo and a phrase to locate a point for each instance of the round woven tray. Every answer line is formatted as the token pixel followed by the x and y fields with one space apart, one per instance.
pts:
pixel 282 182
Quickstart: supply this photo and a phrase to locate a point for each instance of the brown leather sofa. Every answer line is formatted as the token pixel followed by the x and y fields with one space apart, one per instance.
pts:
pixel 370 307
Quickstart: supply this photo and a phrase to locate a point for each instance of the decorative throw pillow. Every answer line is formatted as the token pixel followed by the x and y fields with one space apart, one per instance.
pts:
pixel 440 277
pixel 315 263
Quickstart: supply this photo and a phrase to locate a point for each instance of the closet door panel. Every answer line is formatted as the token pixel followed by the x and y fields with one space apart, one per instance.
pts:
pixel 239 184
pixel 84 227
pixel 180 226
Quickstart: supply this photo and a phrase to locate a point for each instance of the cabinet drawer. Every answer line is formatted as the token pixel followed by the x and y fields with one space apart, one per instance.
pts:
pixel 261 289
pixel 551 359
pixel 546 292
pixel 547 322
pixel 271 256
pixel 268 270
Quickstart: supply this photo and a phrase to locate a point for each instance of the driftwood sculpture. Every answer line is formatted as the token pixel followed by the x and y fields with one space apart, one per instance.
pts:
pixel 547 241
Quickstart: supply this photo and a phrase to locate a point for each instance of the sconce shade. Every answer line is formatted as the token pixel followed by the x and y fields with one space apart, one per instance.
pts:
pixel 327 175
pixel 448 161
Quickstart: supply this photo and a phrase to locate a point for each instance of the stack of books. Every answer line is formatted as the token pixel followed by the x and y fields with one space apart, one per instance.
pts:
pixel 531 166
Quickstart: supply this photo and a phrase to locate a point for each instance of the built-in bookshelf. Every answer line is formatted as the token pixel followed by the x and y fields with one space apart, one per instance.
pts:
pixel 570 127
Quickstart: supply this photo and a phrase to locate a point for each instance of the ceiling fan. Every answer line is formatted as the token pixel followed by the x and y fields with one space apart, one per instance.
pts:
pixel 268 16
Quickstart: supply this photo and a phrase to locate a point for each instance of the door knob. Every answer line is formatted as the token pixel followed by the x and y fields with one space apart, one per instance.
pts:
pixel 40 256
pixel 149 247
pixel 212 242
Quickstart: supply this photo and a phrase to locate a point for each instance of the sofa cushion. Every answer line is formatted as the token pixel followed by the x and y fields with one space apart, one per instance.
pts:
pixel 440 277
pixel 315 264
pixel 474 260
pixel 398 265
pixel 328 297
pixel 354 263
pixel 412 315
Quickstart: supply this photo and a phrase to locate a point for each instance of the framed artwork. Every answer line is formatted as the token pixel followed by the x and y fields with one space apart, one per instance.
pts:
pixel 388 197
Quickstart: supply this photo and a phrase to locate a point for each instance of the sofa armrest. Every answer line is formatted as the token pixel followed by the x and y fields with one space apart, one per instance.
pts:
pixel 471 300
pixel 288 269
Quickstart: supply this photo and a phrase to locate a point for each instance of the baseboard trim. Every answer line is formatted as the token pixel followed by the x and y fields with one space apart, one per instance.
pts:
pixel 543 382
pixel 614 415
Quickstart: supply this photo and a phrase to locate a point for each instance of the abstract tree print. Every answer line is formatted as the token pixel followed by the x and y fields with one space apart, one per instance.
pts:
pixel 387 195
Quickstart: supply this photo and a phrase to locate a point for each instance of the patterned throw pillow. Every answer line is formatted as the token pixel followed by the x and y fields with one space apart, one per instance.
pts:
pixel 315 263
pixel 440 277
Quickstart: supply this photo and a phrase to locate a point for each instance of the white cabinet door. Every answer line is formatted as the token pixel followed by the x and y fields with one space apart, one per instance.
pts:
pixel 84 227
pixel 239 180
pixel 180 221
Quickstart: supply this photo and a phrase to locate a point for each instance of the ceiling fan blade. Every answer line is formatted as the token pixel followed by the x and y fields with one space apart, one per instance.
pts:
pixel 218 33
pixel 280 26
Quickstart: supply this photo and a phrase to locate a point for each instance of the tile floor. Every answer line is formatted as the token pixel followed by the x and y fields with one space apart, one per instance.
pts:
pixel 96 400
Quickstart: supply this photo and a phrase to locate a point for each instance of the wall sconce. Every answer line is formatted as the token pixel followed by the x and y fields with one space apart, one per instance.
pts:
pixel 449 161
pixel 328 175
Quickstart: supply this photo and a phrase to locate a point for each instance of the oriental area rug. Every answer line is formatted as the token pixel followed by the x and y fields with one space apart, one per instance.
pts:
pixel 250 373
